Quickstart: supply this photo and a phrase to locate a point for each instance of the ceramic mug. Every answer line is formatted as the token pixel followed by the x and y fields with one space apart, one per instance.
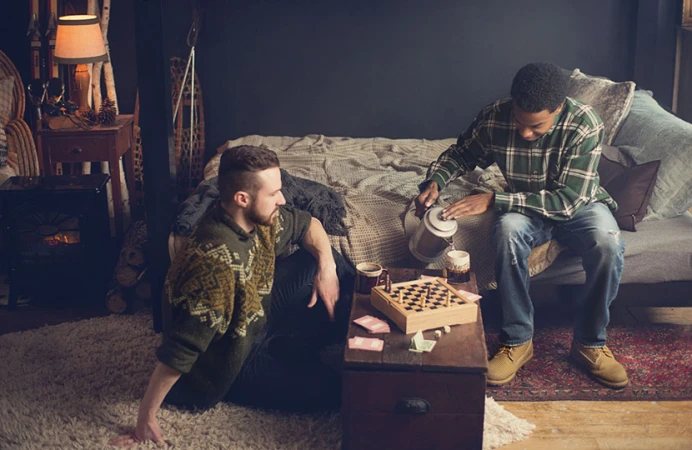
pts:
pixel 369 275
pixel 458 265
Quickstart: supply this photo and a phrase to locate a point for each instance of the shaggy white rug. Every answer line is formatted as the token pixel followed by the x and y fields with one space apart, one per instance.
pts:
pixel 77 385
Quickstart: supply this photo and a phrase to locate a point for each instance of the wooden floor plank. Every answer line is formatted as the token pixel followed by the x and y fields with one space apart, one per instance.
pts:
pixel 584 425
pixel 647 314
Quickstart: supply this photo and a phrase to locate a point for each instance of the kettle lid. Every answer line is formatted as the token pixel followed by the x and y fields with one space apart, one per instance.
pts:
pixel 440 225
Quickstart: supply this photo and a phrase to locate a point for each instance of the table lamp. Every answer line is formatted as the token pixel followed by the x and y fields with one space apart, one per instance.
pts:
pixel 79 41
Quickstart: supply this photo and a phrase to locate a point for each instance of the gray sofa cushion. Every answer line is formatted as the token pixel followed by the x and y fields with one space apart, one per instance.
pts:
pixel 650 133
pixel 658 252
pixel 611 100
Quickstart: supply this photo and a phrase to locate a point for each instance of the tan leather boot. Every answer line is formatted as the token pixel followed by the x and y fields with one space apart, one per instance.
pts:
pixel 504 366
pixel 601 364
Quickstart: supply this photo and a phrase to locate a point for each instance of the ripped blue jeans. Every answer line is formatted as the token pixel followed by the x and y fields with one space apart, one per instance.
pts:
pixel 591 233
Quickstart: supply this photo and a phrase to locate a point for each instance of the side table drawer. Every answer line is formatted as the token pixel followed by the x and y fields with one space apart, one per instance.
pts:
pixel 413 410
pixel 76 149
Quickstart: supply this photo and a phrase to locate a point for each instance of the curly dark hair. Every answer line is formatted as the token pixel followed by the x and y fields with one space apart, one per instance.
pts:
pixel 539 86
pixel 238 166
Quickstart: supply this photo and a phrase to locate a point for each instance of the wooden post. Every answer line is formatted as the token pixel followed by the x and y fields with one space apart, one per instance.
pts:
pixel 153 77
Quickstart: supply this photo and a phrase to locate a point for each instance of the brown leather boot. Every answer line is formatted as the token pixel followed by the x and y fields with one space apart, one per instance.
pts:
pixel 504 366
pixel 601 364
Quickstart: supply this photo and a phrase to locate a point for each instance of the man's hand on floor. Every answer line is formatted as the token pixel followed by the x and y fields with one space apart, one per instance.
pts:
pixel 147 430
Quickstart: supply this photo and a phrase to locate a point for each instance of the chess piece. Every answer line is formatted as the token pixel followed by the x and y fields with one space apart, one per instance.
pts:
pixel 387 283
pixel 449 298
pixel 401 296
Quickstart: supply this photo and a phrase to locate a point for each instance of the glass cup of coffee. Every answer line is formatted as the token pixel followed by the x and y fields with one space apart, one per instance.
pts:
pixel 369 275
pixel 458 265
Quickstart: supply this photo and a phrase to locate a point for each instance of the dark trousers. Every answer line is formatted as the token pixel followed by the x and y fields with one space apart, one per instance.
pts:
pixel 288 366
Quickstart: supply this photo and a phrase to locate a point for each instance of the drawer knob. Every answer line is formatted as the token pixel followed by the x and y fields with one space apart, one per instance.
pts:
pixel 76 151
pixel 412 405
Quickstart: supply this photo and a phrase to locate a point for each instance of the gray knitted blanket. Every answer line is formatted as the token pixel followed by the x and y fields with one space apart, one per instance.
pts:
pixel 307 195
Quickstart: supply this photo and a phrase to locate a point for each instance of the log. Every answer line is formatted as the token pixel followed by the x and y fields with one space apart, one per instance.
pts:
pixel 115 301
pixel 132 261
pixel 107 66
pixel 126 275
pixel 136 236
pixel 135 257
pixel 143 290
pixel 135 244
pixel 92 8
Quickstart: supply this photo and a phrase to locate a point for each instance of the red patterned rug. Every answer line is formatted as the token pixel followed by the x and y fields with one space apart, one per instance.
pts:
pixel 658 359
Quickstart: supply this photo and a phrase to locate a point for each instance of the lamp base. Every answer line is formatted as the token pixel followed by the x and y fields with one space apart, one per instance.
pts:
pixel 81 80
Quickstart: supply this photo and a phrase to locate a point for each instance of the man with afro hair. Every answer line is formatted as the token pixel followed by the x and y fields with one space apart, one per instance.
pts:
pixel 548 147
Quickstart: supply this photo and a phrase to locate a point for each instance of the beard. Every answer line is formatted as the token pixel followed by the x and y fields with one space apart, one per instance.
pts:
pixel 259 219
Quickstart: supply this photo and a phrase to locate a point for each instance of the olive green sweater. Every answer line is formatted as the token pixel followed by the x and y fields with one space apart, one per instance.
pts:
pixel 218 295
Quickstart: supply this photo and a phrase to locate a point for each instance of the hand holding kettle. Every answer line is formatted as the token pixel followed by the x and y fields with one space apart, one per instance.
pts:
pixel 426 198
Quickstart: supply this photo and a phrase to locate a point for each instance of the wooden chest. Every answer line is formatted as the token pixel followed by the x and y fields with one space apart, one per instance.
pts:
pixel 397 399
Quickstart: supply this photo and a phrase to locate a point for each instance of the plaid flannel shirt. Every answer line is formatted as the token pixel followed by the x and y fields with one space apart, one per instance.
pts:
pixel 552 177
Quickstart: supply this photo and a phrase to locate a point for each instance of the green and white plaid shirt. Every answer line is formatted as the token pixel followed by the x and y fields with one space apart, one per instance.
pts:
pixel 552 177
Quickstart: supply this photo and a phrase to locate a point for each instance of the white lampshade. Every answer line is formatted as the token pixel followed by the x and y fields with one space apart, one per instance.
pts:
pixel 79 40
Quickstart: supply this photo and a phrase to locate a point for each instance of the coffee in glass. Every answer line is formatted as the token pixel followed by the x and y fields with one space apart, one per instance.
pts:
pixel 458 265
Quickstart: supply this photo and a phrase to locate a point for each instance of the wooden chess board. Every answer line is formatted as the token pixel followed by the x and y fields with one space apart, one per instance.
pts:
pixel 424 305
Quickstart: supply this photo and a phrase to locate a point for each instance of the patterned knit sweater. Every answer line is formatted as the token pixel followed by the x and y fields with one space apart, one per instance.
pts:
pixel 218 295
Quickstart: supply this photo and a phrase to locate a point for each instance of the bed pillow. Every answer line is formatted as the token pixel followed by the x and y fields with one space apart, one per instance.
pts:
pixel 630 187
pixel 6 106
pixel 612 101
pixel 651 133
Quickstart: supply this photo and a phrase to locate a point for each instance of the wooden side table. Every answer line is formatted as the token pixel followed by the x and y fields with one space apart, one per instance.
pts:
pixel 98 144
pixel 403 400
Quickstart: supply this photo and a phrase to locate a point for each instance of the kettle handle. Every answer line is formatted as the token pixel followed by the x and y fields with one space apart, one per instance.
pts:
pixel 411 222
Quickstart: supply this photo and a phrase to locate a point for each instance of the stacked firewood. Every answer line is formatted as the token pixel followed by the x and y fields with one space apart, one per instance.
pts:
pixel 130 290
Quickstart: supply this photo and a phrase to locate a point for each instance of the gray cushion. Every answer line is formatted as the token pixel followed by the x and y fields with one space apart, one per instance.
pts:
pixel 651 133
pixel 611 100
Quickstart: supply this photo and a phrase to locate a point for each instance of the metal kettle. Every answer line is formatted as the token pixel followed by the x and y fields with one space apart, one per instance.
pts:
pixel 432 236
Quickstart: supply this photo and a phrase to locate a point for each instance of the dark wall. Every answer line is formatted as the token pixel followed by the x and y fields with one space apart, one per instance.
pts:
pixel 403 68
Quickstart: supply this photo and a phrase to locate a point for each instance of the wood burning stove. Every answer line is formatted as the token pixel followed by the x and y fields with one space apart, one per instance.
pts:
pixel 57 236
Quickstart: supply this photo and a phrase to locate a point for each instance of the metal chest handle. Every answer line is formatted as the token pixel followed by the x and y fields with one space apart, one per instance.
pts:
pixel 412 405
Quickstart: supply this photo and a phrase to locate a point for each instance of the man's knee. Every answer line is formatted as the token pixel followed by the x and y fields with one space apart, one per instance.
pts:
pixel 511 233
pixel 508 223
pixel 609 245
